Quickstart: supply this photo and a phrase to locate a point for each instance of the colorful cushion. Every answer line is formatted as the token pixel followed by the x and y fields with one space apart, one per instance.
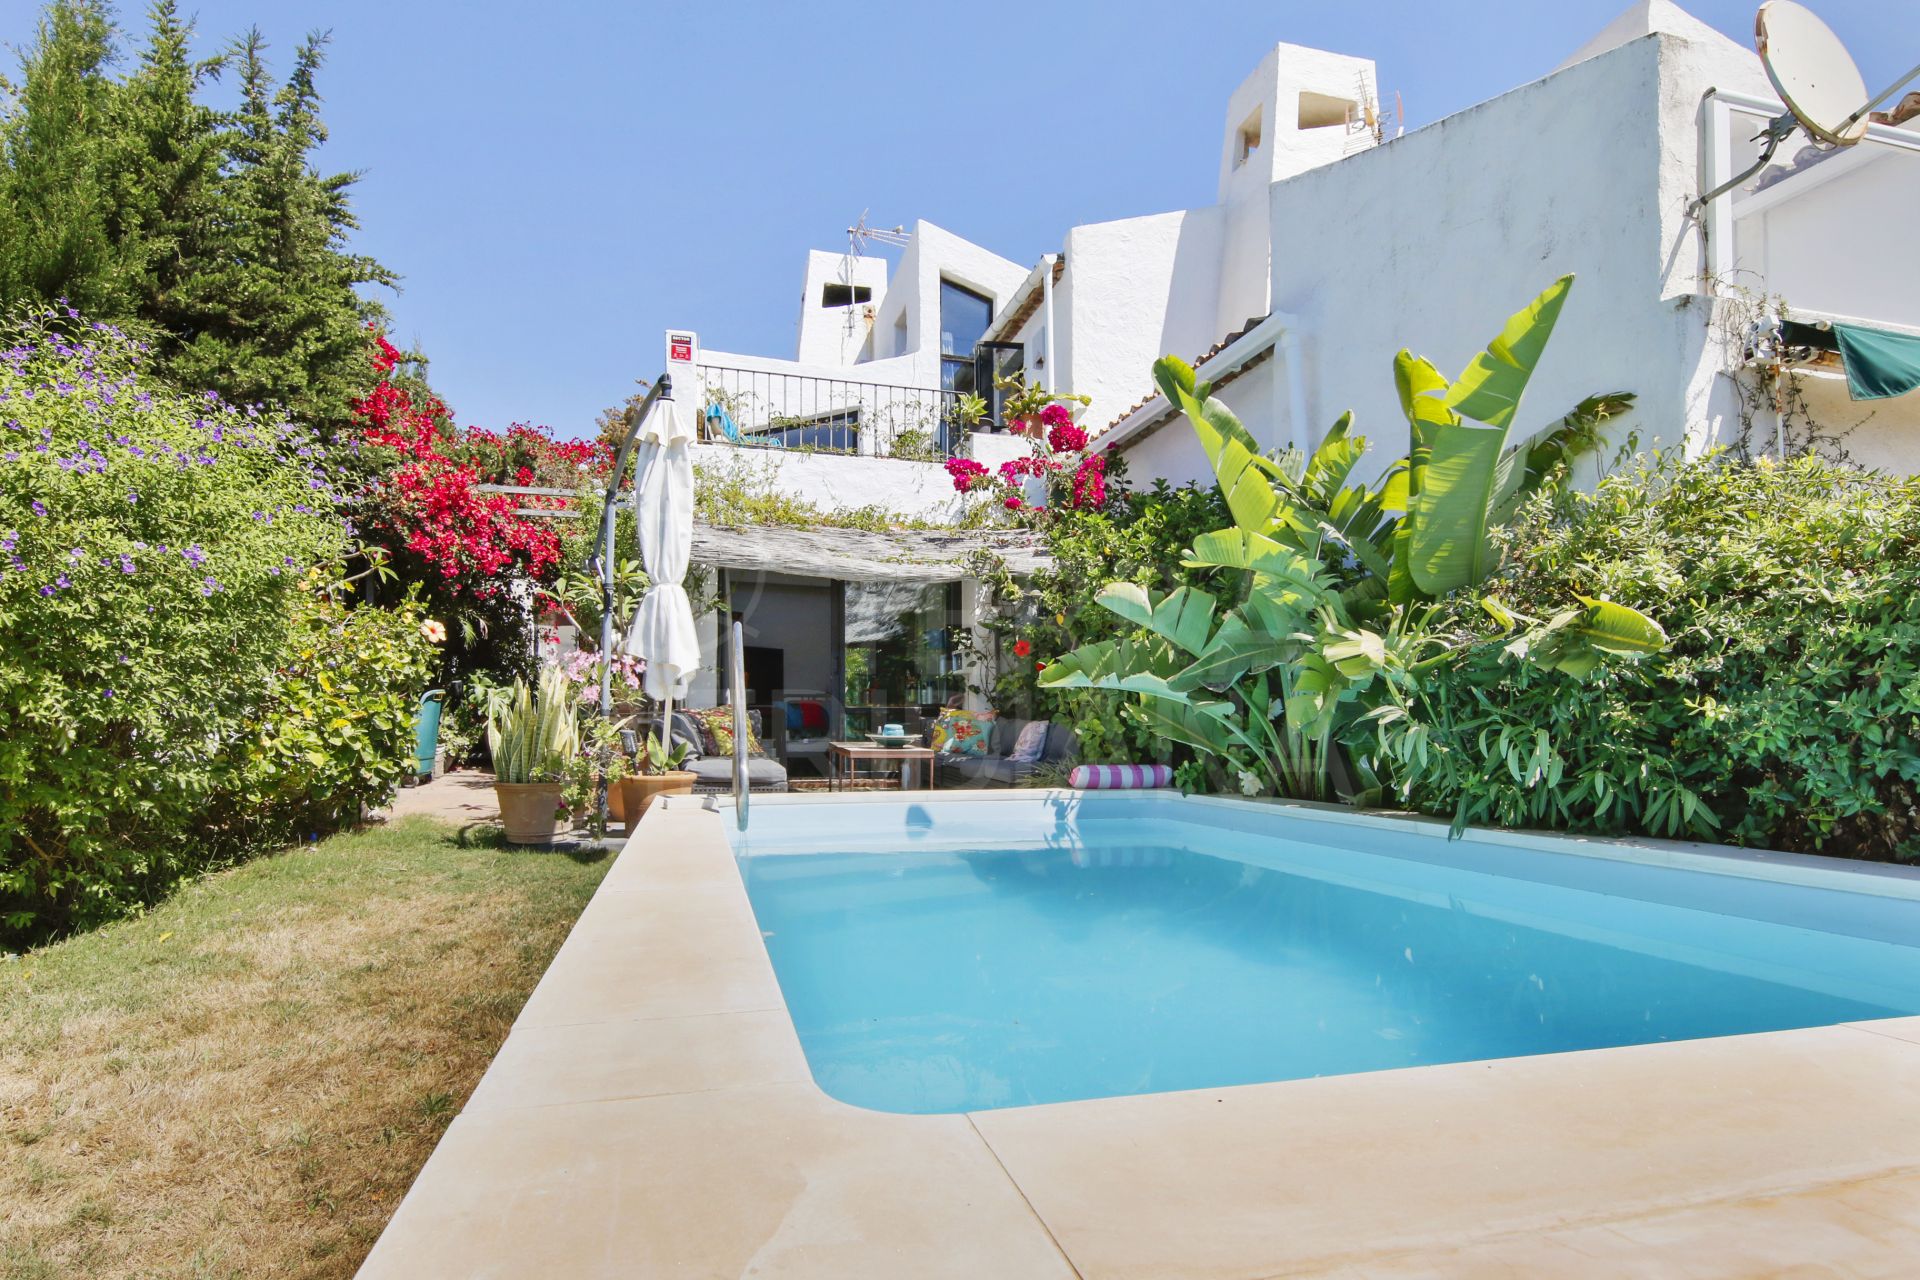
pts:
pixel 813 715
pixel 962 733
pixel 717 724
pixel 1119 777
pixel 1031 742
pixel 796 719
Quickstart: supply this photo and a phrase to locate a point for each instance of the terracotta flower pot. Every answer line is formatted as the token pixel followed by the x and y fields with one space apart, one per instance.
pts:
pixel 530 811
pixel 636 793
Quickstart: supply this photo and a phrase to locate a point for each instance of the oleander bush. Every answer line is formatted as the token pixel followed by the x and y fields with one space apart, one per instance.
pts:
pixel 160 554
pixel 1784 713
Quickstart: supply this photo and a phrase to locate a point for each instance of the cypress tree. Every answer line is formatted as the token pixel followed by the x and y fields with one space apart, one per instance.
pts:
pixel 211 232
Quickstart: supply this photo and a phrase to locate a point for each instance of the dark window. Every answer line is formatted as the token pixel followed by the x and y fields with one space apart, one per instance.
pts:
pixel 992 362
pixel 964 316
pixel 902 649
pixel 837 432
pixel 845 295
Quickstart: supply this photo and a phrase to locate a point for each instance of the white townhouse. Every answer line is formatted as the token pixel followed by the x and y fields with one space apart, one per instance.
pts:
pixel 1332 244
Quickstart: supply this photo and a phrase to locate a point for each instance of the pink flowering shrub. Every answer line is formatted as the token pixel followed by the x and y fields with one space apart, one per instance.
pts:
pixel 1058 456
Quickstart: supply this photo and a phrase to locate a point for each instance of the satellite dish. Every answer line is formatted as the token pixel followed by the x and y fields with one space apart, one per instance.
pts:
pixel 1812 72
pixel 1816 80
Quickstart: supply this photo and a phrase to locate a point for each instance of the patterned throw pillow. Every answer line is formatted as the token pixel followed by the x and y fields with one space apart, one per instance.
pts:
pixel 717 722
pixel 962 733
pixel 1031 742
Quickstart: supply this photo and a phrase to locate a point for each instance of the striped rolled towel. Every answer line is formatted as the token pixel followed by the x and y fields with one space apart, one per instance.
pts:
pixel 1119 777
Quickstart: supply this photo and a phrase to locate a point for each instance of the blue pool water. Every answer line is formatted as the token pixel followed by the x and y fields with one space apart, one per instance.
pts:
pixel 952 956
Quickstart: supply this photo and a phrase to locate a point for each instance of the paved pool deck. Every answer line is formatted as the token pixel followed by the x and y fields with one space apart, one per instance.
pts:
pixel 652 1115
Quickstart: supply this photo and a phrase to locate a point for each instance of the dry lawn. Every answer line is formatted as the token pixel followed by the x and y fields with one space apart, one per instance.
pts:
pixel 245 1081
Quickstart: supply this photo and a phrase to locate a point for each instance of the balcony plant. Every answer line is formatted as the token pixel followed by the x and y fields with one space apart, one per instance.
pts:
pixel 658 773
pixel 534 737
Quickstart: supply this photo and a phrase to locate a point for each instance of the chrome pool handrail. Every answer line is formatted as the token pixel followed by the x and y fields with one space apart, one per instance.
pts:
pixel 738 667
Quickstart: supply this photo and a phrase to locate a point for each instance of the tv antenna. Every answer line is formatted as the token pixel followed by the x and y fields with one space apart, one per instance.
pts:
pixel 860 234
pixel 1817 81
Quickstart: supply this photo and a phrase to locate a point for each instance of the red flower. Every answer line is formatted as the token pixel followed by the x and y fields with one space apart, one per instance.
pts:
pixel 1039 666
pixel 1021 648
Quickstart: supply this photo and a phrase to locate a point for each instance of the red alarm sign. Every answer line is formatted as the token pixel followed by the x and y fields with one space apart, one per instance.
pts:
pixel 680 347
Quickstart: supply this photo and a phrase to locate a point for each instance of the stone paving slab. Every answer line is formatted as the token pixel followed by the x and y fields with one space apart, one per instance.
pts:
pixel 463 798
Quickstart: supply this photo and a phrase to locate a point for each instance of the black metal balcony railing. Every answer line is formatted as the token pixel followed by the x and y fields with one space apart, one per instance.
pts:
pixel 766 409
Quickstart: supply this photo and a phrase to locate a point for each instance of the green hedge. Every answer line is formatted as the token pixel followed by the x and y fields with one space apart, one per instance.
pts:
pixel 1785 714
pixel 159 554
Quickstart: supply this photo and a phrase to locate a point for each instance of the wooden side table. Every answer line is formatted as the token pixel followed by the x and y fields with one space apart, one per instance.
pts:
pixel 844 759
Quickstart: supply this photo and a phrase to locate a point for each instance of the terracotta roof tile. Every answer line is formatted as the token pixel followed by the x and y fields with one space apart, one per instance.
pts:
pixel 1208 354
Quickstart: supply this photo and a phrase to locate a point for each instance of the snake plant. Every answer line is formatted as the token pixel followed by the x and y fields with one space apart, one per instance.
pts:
pixel 533 735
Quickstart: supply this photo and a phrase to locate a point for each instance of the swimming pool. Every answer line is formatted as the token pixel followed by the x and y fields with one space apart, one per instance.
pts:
pixel 945 955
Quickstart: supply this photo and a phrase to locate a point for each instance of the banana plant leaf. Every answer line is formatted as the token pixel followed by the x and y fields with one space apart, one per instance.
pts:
pixel 1467 479
pixel 1618 628
pixel 1246 477
pixel 1239 648
pixel 1184 616
pixel 1490 388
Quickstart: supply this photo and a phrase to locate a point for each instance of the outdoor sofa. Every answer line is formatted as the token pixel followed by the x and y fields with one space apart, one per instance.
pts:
pixel 994 769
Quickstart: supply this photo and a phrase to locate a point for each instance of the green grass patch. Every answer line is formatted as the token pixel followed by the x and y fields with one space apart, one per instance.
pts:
pixel 245 1080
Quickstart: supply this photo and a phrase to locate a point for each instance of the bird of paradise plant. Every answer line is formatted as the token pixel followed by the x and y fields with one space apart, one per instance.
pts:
pixel 1331 583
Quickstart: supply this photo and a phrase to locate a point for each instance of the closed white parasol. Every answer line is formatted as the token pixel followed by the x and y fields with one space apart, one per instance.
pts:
pixel 663 632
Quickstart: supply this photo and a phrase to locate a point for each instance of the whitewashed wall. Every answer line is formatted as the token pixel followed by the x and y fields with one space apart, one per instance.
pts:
pixel 1431 240
pixel 914 294
pixel 838 336
pixel 838 482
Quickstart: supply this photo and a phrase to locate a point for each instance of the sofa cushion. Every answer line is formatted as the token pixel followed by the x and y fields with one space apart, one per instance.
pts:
pixel 980 771
pixel 964 733
pixel 717 772
pixel 1031 744
pixel 1062 744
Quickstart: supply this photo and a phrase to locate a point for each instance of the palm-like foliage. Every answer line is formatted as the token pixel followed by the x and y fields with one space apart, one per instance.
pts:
pixel 1334 581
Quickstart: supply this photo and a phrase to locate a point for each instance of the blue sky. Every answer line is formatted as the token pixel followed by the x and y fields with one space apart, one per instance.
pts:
pixel 558 183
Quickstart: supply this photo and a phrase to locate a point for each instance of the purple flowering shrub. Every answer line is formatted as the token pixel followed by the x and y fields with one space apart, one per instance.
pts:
pixel 153 546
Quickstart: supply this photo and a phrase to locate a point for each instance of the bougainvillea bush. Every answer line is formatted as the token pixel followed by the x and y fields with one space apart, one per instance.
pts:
pixel 155 550
pixel 1069 474
pixel 429 509
pixel 466 549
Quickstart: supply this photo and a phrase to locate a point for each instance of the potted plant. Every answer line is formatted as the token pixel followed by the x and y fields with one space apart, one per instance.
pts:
pixel 600 762
pixel 534 738
pixel 659 774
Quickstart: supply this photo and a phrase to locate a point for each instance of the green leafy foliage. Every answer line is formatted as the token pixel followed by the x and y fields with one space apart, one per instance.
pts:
pixel 208 230
pixel 1783 709
pixel 337 732
pixel 1136 537
pixel 158 556
pixel 1333 583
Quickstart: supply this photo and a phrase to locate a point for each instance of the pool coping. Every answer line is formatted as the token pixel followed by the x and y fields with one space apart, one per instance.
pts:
pixel 651 1114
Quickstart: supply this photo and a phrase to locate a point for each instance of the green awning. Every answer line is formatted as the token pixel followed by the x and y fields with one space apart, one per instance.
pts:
pixel 1879 363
